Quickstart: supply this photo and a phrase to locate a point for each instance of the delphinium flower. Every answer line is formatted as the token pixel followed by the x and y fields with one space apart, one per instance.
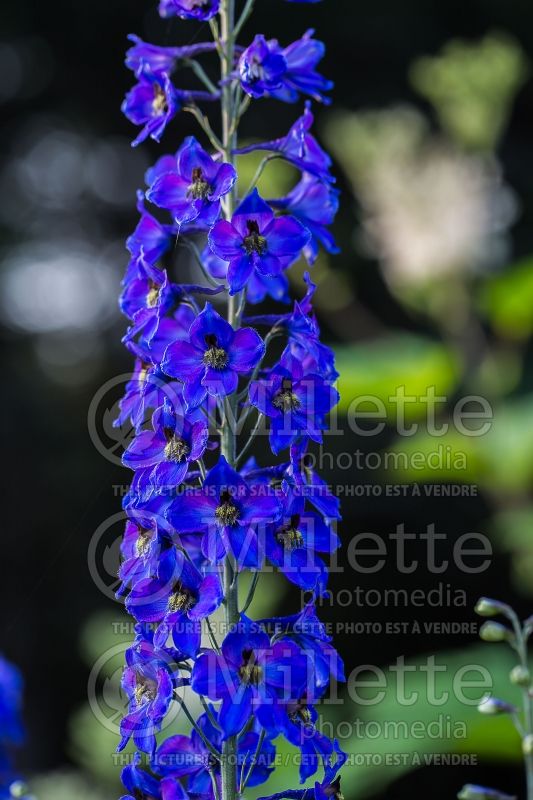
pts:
pixel 199 514
pixel 266 69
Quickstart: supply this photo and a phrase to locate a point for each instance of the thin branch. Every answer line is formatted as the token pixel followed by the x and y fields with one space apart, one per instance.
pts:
pixel 201 74
pixel 250 439
pixel 214 752
pixel 254 759
pixel 251 592
pixel 247 10
pixel 260 170
pixel 205 126
pixel 198 258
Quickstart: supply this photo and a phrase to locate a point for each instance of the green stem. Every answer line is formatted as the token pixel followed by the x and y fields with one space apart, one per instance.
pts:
pixel 228 438
pixel 521 648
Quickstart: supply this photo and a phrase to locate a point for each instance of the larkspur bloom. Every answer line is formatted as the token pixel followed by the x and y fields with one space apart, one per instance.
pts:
pixel 228 511
pixel 189 9
pixel 195 521
pixel 213 357
pixel 298 147
pixel 266 69
pixel 178 599
pixel 255 241
pixel 192 187
pixel 160 60
pixel 250 675
pixel 296 402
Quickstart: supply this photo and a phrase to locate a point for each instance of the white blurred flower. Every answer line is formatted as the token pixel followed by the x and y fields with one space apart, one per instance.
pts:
pixel 435 213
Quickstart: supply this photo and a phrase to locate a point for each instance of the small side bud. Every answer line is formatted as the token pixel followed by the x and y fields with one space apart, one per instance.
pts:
pixel 527 745
pixel 492 706
pixel 520 676
pixel 486 607
pixel 472 792
pixel 494 632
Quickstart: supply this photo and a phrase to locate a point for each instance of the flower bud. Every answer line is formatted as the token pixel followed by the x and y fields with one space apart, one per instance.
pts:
pixel 494 632
pixel 520 676
pixel 472 792
pixel 492 706
pixel 527 745
pixel 486 607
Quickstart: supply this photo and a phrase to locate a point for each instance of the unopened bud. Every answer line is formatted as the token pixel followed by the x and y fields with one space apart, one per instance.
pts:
pixel 494 632
pixel 527 745
pixel 472 792
pixel 486 607
pixel 520 676
pixel 492 706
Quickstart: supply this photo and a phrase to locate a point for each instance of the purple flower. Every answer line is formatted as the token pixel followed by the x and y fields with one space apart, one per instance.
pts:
pixel 189 9
pixel 315 203
pixel 152 103
pixel 193 185
pixel 150 238
pixel 213 357
pixel 255 241
pixel 327 789
pixel 174 443
pixel 139 783
pixel 296 402
pixel 267 69
pixel 258 287
pixel 160 60
pixel 250 676
pixel 227 510
pixel 299 147
pixel 184 756
pixel 178 598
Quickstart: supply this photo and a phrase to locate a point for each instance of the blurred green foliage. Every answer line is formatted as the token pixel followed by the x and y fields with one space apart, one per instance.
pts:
pixel 472 85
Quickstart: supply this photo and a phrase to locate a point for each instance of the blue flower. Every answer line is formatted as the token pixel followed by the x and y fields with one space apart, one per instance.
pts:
pixel 250 675
pixel 227 510
pixel 256 241
pixel 315 203
pixel 296 402
pixel 153 102
pixel 174 443
pixel 299 147
pixel 192 185
pixel 150 238
pixel 189 9
pixel 178 599
pixel 310 634
pixel 267 69
pixel 213 357
pixel 293 543
pixel 149 682
pixel 184 756
pixel 160 60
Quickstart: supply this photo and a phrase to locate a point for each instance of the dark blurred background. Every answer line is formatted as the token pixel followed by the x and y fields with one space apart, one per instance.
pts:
pixel 433 145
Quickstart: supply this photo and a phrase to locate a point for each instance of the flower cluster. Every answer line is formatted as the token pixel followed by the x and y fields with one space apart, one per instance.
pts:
pixel 199 514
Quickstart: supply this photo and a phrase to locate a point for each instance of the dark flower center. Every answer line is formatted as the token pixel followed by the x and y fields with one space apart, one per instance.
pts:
pixel 256 69
pixel 159 103
pixel 289 536
pixel 334 790
pixel 143 372
pixel 215 356
pixel 152 297
pixel 175 449
pixel 299 712
pixel 227 512
pixel 249 671
pixel 254 242
pixel 199 187
pixel 143 541
pixel 145 690
pixel 285 399
pixel 181 598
